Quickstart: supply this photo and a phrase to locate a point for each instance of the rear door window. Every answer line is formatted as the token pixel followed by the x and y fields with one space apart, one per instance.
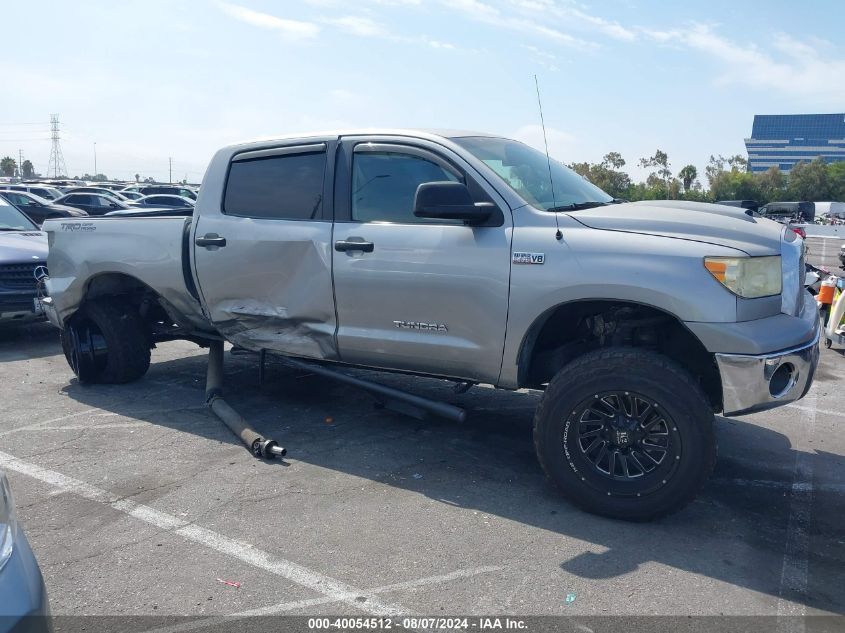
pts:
pixel 287 186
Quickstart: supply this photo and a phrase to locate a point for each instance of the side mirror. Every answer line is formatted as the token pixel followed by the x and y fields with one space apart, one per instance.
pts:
pixel 449 201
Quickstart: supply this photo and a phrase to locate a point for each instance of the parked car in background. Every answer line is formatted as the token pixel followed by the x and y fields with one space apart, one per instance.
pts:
pixel 174 190
pixel 111 186
pixel 158 212
pixel 105 192
pixel 23 260
pixel 42 191
pixel 24 606
pixel 786 211
pixel 38 209
pixel 93 203
pixel 827 212
pixel 163 200
pixel 131 195
pixel 64 184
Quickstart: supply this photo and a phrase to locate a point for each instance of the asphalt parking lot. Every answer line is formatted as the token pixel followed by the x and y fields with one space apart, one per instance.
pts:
pixel 138 501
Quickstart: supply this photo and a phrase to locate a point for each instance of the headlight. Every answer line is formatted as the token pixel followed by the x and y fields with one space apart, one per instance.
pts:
pixel 8 526
pixel 748 277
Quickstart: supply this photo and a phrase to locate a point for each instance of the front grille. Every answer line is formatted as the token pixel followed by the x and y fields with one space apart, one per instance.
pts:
pixel 18 276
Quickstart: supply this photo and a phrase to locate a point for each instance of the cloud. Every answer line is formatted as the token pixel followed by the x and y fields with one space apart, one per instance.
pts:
pixel 561 143
pixel 543 58
pixel 489 14
pixel 570 15
pixel 292 29
pixel 361 26
pixel 799 69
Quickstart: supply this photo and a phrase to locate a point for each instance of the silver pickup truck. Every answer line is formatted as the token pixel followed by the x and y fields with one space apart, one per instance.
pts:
pixel 471 258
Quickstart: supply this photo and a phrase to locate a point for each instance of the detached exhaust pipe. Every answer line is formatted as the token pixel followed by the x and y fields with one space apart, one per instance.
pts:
pixel 257 444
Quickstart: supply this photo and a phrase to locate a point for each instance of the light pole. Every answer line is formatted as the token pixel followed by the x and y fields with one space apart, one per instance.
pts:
pixel 95 159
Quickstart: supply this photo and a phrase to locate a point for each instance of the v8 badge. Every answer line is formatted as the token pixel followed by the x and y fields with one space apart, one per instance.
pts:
pixel 529 258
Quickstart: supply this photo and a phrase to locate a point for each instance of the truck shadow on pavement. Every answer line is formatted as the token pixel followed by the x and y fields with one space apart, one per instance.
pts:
pixel 735 532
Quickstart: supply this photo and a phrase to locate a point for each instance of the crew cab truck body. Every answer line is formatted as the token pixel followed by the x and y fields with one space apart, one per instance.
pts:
pixel 457 256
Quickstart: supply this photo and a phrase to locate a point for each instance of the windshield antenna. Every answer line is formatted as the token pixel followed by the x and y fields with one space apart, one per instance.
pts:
pixel 558 234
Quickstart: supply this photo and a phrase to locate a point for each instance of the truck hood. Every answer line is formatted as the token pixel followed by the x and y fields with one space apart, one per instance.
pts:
pixel 21 247
pixel 697 221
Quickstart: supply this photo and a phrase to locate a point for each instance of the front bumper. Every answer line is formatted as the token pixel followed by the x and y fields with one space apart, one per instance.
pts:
pixel 758 382
pixel 49 310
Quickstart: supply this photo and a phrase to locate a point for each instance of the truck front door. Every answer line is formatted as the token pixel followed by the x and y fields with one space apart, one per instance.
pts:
pixel 263 258
pixel 428 296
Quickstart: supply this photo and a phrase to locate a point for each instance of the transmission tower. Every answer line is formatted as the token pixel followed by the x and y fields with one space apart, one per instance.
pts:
pixel 56 166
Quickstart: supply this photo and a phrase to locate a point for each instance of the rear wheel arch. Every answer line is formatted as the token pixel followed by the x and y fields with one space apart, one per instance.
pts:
pixel 120 287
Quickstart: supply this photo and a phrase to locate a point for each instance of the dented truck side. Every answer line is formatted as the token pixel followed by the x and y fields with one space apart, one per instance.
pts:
pixel 639 321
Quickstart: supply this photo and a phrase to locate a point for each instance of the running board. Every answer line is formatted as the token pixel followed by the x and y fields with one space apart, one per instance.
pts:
pixel 393 399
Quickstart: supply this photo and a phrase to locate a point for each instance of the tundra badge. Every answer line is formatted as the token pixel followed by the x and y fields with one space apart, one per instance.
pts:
pixel 421 325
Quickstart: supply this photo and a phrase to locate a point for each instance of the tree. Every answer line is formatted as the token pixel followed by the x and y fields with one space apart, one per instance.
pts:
pixel 137 177
pixel 836 180
pixel 27 169
pixel 613 159
pixel 772 185
pixel 735 185
pixel 8 166
pixel 809 181
pixel 688 175
pixel 660 160
pixel 605 175
pixel 717 165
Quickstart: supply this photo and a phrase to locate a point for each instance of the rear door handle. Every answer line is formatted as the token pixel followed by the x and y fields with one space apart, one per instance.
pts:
pixel 210 239
pixel 344 246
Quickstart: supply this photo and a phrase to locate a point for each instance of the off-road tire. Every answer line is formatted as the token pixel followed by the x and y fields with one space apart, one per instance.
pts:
pixel 126 337
pixel 658 379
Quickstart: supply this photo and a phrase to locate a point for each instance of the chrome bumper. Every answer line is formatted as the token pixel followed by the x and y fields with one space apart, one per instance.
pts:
pixel 756 383
pixel 50 311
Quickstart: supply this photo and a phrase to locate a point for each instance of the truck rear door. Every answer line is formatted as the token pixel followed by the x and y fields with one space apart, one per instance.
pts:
pixel 418 294
pixel 263 258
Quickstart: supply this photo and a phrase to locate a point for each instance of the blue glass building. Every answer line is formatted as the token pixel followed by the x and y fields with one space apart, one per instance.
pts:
pixel 786 139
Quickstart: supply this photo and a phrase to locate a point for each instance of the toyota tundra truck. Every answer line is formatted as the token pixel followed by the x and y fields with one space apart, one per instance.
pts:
pixel 475 259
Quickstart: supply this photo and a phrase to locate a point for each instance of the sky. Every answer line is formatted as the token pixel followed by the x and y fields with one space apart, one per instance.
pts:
pixel 151 80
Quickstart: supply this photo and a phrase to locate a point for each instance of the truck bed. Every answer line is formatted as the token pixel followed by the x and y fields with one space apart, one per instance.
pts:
pixel 150 250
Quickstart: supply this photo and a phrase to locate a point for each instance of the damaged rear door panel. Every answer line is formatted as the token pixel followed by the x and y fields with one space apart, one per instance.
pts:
pixel 266 278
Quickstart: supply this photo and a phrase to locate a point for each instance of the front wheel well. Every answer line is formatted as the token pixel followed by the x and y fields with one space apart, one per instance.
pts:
pixel 573 329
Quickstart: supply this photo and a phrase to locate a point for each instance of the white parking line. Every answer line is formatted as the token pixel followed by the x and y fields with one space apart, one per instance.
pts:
pixel 45 425
pixel 87 427
pixel 330 587
pixel 295 605
pixel 50 421
pixel 793 579
pixel 816 411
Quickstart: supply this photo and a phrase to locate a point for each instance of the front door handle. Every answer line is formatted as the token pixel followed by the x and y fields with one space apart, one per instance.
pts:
pixel 344 246
pixel 210 239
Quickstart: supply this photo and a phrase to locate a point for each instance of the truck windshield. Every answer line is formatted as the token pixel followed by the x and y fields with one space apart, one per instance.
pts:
pixel 13 220
pixel 526 171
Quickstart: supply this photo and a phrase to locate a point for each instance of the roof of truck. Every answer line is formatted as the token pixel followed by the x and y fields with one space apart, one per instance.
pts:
pixel 423 132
